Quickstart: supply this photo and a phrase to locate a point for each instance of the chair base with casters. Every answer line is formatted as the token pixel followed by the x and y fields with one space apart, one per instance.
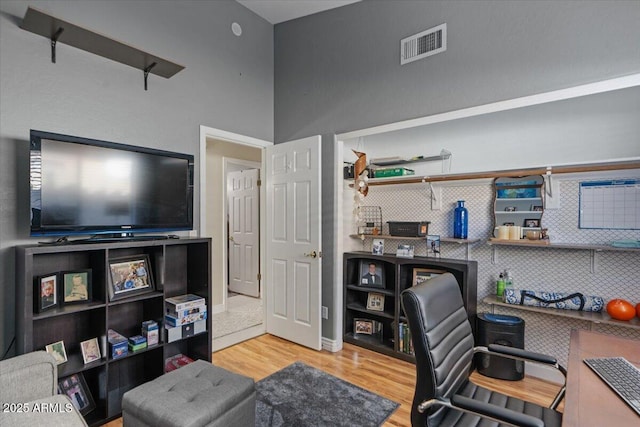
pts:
pixel 444 348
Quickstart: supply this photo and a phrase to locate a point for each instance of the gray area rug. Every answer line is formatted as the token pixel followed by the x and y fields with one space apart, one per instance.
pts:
pixel 300 395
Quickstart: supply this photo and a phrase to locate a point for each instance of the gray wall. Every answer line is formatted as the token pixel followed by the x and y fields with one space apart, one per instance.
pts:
pixel 340 70
pixel 227 84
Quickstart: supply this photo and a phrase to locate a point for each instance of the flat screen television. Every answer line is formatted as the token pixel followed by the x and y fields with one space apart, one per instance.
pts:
pixel 82 186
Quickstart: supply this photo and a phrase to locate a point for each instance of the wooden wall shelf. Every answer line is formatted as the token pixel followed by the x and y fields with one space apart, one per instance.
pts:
pixel 59 30
pixel 588 316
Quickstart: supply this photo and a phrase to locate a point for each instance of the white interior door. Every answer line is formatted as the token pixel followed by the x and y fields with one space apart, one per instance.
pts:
pixel 293 251
pixel 244 235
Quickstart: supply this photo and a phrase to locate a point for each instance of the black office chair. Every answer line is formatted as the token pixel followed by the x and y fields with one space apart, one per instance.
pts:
pixel 444 349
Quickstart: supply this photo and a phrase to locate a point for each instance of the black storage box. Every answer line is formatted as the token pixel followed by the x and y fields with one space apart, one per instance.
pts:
pixel 408 229
pixel 503 330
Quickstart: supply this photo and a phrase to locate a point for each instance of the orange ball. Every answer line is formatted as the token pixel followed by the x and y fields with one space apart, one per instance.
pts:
pixel 620 309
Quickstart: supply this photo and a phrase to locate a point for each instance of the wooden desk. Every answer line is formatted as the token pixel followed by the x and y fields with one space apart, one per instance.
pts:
pixel 589 400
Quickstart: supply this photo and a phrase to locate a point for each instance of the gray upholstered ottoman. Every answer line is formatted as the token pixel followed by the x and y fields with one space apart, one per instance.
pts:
pixel 198 394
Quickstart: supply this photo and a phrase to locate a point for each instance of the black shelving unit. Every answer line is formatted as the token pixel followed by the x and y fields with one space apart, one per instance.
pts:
pixel 179 266
pixel 398 276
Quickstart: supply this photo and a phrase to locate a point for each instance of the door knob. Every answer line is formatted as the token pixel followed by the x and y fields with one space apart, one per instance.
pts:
pixel 231 238
pixel 313 254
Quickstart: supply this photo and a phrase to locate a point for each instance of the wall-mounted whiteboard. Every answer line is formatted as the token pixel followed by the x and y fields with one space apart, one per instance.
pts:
pixel 610 204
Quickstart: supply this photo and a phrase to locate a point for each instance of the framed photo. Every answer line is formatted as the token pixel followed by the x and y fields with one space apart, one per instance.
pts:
pixel 363 326
pixel 368 327
pixel 377 247
pixel 76 286
pixel 375 301
pixel 76 388
pixel 371 274
pixel 130 276
pixel 57 351
pixel 537 208
pixel 45 295
pixel 433 245
pixel 532 223
pixel 421 275
pixel 405 251
pixel 90 350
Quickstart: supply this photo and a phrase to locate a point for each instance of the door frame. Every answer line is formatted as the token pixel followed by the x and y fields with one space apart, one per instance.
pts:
pixel 226 166
pixel 233 138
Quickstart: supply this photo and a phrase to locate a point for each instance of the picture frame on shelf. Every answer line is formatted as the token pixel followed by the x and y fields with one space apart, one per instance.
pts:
pixel 58 351
pixel 90 350
pixel 421 275
pixel 531 222
pixel 371 274
pixel 537 208
pixel 75 387
pixel 130 276
pixel 375 301
pixel 405 251
pixel 363 327
pixel 46 292
pixel 377 247
pixel 433 245
pixel 76 286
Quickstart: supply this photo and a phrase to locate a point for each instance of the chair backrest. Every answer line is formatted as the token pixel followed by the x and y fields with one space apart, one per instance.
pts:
pixel 442 342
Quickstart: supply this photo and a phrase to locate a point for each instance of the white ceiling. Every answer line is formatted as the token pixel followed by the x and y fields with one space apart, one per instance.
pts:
pixel 276 11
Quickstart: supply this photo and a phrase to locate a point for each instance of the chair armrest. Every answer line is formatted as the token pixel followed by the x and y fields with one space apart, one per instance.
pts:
pixel 530 355
pixel 28 377
pixel 494 412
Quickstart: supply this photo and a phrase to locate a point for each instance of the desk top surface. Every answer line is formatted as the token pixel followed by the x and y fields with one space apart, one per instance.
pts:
pixel 589 400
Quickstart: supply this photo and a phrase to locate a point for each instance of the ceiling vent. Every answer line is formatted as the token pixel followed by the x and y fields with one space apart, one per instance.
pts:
pixel 421 45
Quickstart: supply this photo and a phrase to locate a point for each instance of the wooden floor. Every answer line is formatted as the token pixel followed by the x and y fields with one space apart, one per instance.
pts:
pixel 386 376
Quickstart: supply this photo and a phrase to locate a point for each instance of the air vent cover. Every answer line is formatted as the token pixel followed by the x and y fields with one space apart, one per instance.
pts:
pixel 421 45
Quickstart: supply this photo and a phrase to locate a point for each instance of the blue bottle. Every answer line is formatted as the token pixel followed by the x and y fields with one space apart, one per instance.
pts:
pixel 460 221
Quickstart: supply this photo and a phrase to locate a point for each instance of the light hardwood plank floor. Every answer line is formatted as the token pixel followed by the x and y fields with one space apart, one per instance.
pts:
pixel 384 375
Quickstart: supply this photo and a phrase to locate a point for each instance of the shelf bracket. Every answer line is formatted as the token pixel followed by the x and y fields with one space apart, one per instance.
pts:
pixel 54 41
pixel 146 73
pixel 593 264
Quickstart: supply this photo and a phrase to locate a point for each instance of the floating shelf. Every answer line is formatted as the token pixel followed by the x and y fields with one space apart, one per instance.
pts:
pixel 388 236
pixel 399 161
pixel 59 30
pixel 588 316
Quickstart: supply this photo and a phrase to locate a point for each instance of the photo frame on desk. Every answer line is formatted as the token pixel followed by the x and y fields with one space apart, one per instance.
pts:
pixel 45 295
pixel 371 274
pixel 130 276
pixel 76 287
pixel 75 387
pixel 433 245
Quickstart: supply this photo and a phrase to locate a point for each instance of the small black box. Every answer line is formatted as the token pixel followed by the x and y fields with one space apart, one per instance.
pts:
pixel 408 229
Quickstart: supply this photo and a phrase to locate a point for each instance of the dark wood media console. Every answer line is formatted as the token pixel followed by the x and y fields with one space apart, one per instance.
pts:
pixel 178 266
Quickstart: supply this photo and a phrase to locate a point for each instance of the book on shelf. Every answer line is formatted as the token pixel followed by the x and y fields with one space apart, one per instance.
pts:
pixel 177 361
pixel 173 322
pixel 185 312
pixel 405 345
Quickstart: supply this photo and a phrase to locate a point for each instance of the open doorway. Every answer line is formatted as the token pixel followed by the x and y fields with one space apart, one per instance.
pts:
pixel 238 314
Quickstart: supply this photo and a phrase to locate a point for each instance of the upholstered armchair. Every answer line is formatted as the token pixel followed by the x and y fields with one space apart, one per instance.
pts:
pixel 444 349
pixel 28 393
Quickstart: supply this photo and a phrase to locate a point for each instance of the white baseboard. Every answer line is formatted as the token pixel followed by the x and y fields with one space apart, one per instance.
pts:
pixel 331 345
pixel 238 337
pixel 220 308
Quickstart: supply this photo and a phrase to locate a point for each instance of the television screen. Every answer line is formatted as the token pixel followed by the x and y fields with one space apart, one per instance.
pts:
pixel 86 186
